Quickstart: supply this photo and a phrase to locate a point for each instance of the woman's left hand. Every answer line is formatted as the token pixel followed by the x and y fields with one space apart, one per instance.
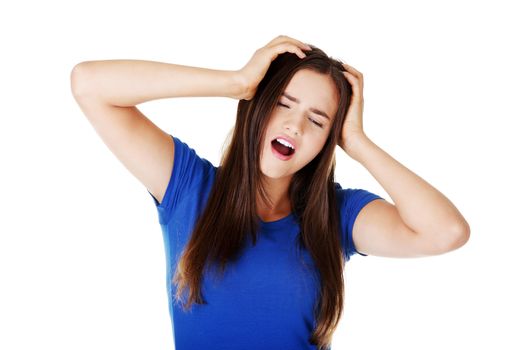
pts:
pixel 352 130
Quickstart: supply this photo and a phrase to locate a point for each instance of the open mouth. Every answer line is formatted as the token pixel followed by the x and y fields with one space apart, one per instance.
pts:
pixel 282 149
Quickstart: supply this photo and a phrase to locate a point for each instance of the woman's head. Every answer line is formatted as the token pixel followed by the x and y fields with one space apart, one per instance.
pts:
pixel 318 83
pixel 230 216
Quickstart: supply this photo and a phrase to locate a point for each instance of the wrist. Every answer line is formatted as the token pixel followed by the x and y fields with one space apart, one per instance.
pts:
pixel 239 86
pixel 354 144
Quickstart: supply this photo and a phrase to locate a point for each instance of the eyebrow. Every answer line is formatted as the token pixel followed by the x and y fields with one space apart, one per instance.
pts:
pixel 313 110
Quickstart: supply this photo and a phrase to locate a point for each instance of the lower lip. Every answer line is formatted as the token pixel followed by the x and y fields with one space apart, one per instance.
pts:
pixel 279 155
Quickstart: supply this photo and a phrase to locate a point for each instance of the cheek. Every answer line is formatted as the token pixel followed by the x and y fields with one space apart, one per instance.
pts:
pixel 311 151
pixel 319 146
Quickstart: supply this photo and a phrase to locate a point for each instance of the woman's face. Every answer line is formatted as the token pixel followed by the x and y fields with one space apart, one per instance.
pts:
pixel 298 118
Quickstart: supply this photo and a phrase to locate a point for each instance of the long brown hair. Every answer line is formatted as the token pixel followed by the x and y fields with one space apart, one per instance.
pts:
pixel 220 238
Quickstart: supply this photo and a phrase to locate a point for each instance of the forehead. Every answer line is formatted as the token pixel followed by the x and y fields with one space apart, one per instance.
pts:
pixel 314 90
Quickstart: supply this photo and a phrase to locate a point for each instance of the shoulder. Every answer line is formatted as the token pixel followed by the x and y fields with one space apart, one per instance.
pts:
pixel 351 202
pixel 353 199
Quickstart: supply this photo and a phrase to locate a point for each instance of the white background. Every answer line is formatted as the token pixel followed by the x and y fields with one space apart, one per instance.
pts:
pixel 81 253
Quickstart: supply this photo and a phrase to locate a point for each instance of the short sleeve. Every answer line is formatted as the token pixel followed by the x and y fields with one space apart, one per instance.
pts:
pixel 351 202
pixel 188 171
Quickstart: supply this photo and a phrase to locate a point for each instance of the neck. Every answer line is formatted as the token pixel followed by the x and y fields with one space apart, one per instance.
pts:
pixel 279 206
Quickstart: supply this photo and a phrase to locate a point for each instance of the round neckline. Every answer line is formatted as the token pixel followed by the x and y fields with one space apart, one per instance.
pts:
pixel 284 221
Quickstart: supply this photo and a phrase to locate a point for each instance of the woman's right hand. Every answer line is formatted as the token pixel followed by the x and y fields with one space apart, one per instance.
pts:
pixel 253 72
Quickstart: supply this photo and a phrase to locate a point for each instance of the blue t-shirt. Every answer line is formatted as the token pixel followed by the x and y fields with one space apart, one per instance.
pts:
pixel 266 299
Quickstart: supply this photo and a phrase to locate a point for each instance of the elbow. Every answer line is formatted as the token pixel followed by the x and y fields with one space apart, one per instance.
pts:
pixel 77 80
pixel 460 236
pixel 446 241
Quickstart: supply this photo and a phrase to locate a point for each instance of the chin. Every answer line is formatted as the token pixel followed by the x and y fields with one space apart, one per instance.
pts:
pixel 274 174
pixel 271 174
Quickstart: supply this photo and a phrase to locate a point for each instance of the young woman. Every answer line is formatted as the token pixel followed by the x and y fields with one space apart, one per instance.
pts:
pixel 255 248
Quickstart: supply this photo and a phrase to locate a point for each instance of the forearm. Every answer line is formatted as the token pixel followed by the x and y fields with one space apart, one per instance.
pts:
pixel 131 82
pixel 422 207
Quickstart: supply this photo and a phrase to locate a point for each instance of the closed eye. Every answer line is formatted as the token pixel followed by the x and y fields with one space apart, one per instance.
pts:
pixel 311 119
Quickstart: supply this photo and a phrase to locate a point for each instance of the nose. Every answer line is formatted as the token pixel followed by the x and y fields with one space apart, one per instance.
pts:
pixel 294 124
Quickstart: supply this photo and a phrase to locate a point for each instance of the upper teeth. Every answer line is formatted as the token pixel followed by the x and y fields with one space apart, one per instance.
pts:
pixel 284 142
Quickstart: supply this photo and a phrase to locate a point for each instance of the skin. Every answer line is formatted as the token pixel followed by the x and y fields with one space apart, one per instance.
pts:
pixel 314 90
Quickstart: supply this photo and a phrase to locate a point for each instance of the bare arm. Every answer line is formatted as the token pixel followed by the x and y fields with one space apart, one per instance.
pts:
pixel 127 83
pixel 421 222
pixel 107 92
